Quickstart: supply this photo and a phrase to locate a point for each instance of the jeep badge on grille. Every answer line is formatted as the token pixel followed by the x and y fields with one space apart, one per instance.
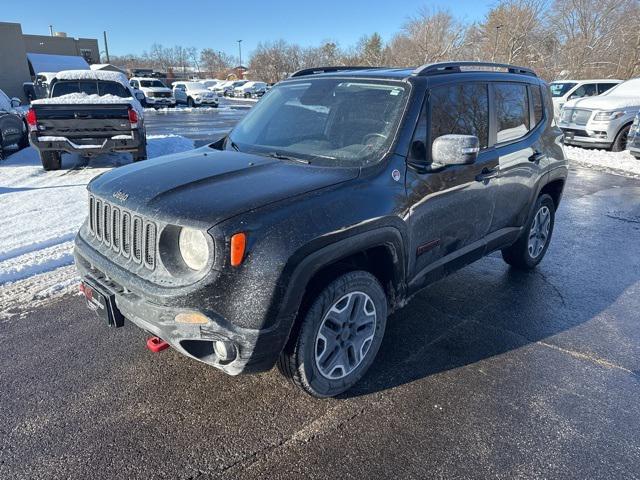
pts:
pixel 120 195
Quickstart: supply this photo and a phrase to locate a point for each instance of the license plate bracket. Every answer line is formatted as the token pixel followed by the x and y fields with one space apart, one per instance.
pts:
pixel 103 303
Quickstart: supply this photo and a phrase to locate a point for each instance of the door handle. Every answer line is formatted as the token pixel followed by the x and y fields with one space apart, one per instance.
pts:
pixel 487 174
pixel 537 156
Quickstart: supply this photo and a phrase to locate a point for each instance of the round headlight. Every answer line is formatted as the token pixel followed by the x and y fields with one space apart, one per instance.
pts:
pixel 193 248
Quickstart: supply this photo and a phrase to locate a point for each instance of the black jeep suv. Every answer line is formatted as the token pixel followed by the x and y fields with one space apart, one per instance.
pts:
pixel 340 195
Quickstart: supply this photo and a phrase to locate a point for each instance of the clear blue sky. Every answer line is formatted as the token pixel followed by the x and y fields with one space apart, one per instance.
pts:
pixel 133 25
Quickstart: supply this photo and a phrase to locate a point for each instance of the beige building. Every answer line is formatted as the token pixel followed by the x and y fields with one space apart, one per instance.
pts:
pixel 56 52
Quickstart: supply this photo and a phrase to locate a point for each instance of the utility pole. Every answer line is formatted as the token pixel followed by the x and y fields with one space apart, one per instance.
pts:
pixel 240 50
pixel 495 45
pixel 106 46
pixel 51 30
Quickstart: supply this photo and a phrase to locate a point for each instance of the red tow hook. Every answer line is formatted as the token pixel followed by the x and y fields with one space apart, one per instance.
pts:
pixel 156 344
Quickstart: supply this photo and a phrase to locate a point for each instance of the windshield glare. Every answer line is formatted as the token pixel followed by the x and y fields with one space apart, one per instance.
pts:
pixel 559 89
pixel 629 88
pixel 326 121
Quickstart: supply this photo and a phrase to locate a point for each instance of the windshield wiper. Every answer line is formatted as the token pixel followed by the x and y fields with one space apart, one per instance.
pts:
pixel 281 156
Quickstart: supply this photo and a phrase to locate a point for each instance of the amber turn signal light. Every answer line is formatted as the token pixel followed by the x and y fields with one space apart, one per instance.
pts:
pixel 238 244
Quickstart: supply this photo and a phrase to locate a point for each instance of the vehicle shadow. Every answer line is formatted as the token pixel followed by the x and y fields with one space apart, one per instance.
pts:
pixel 488 308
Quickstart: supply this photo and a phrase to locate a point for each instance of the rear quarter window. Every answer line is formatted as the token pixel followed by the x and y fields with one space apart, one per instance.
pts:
pixel 538 108
pixel 512 111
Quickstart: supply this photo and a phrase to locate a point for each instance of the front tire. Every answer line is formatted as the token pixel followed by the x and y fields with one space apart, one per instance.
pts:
pixel 51 160
pixel 339 336
pixel 530 248
pixel 190 102
pixel 620 143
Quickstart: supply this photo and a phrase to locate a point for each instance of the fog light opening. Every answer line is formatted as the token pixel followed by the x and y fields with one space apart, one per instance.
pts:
pixel 225 351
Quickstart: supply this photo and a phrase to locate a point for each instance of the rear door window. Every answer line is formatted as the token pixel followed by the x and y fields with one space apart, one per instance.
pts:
pixel 512 111
pixel 603 87
pixel 462 109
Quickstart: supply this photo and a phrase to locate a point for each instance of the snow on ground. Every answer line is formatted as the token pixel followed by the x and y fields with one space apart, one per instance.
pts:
pixel 618 163
pixel 40 212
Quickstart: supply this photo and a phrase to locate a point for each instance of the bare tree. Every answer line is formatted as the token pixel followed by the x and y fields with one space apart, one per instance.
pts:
pixel 215 63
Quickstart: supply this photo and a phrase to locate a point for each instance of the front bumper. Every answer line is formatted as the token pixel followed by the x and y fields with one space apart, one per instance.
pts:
pixel 126 142
pixel 206 101
pixel 256 350
pixel 160 101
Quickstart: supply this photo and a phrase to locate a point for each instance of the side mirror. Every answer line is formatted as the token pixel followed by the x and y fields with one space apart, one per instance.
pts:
pixel 139 95
pixel 454 150
pixel 15 102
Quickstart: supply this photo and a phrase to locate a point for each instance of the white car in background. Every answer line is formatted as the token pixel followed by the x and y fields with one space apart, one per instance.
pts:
pixel 210 83
pixel 603 121
pixel 156 93
pixel 220 87
pixel 194 94
pixel 250 89
pixel 565 90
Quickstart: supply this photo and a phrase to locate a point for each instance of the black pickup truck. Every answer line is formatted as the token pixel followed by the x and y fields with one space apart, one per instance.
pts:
pixel 88 113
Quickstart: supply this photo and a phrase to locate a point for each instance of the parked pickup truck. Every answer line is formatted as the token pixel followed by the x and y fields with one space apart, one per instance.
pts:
pixel 87 112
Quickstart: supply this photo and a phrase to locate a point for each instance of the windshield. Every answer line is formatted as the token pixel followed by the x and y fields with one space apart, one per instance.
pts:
pixel 630 88
pixel 195 86
pixel 90 87
pixel 559 89
pixel 326 121
pixel 152 83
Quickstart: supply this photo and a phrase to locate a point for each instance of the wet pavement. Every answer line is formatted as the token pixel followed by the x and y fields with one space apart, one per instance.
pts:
pixel 490 373
pixel 201 124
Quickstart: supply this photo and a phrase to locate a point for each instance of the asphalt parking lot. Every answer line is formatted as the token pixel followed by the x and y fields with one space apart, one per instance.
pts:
pixel 490 373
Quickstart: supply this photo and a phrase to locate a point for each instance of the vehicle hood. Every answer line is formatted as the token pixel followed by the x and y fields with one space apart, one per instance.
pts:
pixel 156 89
pixel 203 187
pixel 605 102
pixel 200 91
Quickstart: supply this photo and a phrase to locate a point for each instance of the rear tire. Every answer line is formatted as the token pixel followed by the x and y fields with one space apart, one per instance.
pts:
pixel 24 142
pixel 51 160
pixel 528 251
pixel 339 336
pixel 620 143
pixel 190 102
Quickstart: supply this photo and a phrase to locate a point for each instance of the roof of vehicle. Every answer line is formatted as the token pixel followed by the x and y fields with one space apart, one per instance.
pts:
pixel 429 69
pixel 145 78
pixel 103 75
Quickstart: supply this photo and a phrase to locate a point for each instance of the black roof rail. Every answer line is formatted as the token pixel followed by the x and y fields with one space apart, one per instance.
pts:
pixel 314 70
pixel 454 67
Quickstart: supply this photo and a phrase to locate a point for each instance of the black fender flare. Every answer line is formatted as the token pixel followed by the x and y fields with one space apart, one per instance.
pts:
pixel 308 261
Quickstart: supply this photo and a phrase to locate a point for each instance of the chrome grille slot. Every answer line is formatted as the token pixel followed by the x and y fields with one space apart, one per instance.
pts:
pixel 99 219
pixel 92 226
pixel 149 244
pixel 127 235
pixel 106 225
pixel 115 229
pixel 136 242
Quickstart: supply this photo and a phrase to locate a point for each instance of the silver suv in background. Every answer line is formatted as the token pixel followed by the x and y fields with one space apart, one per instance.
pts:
pixel 156 93
pixel 565 90
pixel 603 121
pixel 194 94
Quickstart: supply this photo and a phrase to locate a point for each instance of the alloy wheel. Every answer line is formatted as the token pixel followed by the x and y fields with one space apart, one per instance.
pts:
pixel 539 232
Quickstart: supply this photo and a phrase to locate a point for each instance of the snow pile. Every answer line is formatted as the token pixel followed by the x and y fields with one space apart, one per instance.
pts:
pixel 41 212
pixel 618 163
pixel 105 75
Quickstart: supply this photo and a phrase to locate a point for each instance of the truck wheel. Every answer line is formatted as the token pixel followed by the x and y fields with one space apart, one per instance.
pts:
pixel 190 102
pixel 51 160
pixel 620 143
pixel 339 336
pixel 532 245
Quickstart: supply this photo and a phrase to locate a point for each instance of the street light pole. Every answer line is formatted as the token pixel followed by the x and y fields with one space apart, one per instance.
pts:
pixel 106 46
pixel 240 51
pixel 495 45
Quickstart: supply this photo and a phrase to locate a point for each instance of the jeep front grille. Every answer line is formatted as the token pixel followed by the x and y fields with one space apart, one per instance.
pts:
pixel 124 232
pixel 576 116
